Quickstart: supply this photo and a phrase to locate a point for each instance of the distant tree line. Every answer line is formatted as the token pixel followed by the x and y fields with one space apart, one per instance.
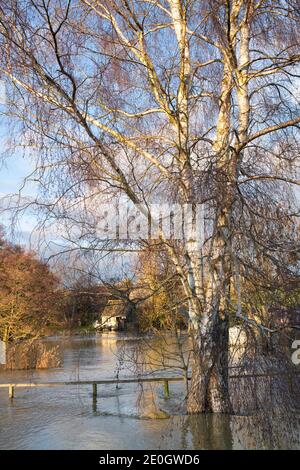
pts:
pixel 34 301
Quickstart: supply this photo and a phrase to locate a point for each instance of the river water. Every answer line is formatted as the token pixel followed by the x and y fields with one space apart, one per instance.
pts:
pixel 127 417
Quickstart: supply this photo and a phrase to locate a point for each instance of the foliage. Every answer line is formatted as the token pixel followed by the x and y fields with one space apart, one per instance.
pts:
pixel 28 300
pixel 161 289
pixel 82 304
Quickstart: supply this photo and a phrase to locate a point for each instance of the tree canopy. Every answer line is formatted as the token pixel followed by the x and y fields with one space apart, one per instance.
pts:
pixel 28 301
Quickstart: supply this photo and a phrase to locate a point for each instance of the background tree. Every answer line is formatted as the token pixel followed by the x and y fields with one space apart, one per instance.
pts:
pixel 82 302
pixel 29 306
pixel 161 301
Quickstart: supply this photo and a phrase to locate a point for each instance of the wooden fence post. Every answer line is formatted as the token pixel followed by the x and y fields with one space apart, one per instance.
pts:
pixel 166 389
pixel 11 391
pixel 94 397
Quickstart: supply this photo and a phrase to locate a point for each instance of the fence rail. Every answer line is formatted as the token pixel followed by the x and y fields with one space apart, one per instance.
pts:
pixel 11 386
pixel 139 380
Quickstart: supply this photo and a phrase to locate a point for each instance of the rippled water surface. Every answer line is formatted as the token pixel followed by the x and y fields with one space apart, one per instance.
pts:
pixel 67 418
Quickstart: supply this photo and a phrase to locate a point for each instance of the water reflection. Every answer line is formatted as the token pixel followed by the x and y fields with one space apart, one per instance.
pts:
pixel 211 431
pixel 121 418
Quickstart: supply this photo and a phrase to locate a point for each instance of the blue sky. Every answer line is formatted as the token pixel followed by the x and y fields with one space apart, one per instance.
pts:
pixel 12 173
pixel 14 167
pixel 13 170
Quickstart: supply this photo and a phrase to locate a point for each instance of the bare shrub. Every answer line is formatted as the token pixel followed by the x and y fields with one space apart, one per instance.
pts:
pixel 32 355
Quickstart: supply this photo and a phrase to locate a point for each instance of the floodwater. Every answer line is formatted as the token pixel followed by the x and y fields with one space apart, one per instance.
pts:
pixel 126 417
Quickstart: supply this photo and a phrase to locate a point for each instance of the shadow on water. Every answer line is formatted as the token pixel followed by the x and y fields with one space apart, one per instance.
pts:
pixel 210 431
